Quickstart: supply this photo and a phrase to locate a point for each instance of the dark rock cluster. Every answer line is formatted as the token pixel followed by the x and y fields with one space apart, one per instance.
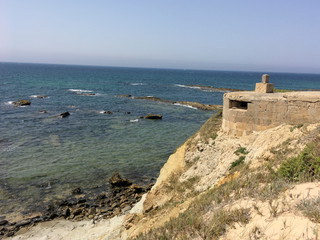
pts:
pixel 123 195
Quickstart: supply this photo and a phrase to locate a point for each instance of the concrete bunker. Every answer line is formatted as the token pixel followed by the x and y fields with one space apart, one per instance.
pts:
pixel 249 111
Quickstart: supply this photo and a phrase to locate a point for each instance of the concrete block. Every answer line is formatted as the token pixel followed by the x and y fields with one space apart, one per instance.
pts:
pixel 264 87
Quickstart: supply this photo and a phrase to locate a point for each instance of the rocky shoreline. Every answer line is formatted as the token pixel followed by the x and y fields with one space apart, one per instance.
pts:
pixel 215 89
pixel 206 107
pixel 121 198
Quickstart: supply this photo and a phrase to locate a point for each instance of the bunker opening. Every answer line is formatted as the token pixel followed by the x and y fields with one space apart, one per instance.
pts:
pixel 238 104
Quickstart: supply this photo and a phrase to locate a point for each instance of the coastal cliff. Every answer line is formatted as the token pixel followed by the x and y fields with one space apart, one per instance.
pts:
pixel 216 186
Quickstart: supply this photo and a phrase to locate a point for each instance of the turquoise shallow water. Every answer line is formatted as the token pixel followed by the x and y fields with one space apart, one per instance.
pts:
pixel 43 157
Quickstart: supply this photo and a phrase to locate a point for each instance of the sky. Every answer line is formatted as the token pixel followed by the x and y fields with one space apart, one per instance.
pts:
pixel 246 35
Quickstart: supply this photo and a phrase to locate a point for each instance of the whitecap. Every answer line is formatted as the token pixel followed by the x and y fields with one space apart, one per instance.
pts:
pixel 134 120
pixel 79 90
pixel 9 103
pixel 185 86
pixel 137 84
pixel 184 105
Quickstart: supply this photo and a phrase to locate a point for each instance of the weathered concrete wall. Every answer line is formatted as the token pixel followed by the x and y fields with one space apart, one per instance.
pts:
pixel 245 112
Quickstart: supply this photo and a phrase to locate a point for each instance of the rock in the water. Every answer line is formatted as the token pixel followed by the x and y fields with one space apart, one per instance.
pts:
pixel 128 96
pixel 117 181
pixel 3 222
pixel 20 103
pixel 41 96
pixel 65 114
pixel 42 111
pixel 153 116
pixel 107 112
pixel 77 191
pixel 87 94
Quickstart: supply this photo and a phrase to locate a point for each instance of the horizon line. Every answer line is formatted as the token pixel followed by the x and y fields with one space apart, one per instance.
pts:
pixel 159 68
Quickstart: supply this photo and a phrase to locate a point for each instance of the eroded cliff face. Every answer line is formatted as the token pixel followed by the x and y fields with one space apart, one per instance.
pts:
pixel 207 161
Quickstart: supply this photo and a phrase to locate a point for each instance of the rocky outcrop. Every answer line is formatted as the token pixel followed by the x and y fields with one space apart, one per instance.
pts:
pixel 64 115
pixel 206 107
pixel 20 103
pixel 214 89
pixel 117 181
pixel 153 116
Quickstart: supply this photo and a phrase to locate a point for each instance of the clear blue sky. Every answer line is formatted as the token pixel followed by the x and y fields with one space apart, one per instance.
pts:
pixel 256 35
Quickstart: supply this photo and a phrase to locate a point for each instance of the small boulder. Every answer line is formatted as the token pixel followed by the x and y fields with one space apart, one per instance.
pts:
pixel 117 181
pixel 20 103
pixel 77 191
pixel 3 222
pixel 65 114
pixel 153 116
pixel 42 111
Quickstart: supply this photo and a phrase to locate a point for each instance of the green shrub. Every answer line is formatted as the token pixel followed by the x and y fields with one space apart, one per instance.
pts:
pixel 237 162
pixel 304 167
pixel 241 150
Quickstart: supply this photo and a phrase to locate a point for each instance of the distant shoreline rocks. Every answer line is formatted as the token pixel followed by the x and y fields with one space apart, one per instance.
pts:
pixel 206 107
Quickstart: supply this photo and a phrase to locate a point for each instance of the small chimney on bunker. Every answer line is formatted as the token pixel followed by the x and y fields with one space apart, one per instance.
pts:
pixel 264 86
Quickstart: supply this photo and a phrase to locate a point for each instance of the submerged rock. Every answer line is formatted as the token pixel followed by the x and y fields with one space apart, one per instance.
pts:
pixel 41 96
pixel 22 102
pixel 87 94
pixel 42 111
pixel 65 114
pixel 128 96
pixel 153 116
pixel 117 181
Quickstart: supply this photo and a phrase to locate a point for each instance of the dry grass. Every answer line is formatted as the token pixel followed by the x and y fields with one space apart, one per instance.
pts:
pixel 208 130
pixel 311 209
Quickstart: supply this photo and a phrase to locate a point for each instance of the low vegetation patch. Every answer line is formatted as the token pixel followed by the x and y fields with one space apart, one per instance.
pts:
pixel 311 209
pixel 208 130
pixel 241 152
pixel 304 167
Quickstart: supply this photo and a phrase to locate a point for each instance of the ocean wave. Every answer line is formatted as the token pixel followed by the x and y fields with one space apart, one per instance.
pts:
pixel 39 96
pixel 9 103
pixel 80 90
pixel 184 105
pixel 134 120
pixel 137 84
pixel 185 86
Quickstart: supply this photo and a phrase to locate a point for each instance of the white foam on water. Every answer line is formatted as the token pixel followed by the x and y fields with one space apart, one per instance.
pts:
pixel 79 90
pixel 185 86
pixel 137 84
pixel 135 120
pixel 9 103
pixel 184 105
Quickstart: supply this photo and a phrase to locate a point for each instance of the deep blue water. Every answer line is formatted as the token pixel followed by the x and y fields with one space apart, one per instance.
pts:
pixel 43 157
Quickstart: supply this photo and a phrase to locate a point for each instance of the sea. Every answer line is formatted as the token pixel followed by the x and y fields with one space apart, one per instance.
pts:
pixel 44 157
